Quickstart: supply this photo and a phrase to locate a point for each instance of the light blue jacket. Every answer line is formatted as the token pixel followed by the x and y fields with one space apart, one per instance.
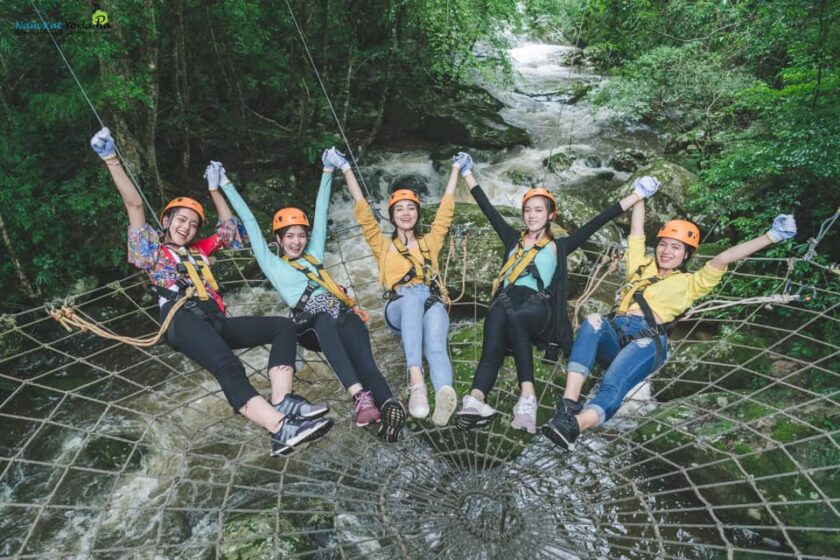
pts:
pixel 288 282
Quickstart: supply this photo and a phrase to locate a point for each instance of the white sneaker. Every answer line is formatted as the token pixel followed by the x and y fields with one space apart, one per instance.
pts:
pixel 525 414
pixel 474 414
pixel 418 402
pixel 445 402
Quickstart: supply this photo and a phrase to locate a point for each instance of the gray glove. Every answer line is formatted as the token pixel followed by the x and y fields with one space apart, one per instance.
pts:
pixel 784 227
pixel 644 187
pixel 332 158
pixel 464 162
pixel 103 144
pixel 215 175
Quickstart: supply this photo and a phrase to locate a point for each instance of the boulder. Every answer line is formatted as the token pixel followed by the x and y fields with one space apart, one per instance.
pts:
pixel 630 159
pixel 558 162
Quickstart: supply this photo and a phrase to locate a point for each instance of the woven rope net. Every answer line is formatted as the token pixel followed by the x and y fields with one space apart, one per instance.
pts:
pixel 731 450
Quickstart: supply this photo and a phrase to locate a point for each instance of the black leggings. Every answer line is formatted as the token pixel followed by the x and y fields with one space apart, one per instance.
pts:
pixel 346 345
pixel 514 331
pixel 196 338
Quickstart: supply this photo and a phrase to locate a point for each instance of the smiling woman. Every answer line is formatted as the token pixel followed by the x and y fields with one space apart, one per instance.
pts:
pixel 179 267
pixel 327 318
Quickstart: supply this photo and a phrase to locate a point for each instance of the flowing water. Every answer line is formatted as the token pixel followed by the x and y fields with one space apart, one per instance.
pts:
pixel 185 456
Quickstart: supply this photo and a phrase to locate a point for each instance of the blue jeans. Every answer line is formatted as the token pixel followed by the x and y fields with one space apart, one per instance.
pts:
pixel 423 332
pixel 597 340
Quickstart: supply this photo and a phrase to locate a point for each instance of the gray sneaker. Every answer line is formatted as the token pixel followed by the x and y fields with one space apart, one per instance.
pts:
pixel 293 405
pixel 296 431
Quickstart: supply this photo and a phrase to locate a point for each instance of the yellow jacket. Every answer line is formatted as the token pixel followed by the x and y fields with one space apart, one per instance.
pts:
pixel 393 266
pixel 672 294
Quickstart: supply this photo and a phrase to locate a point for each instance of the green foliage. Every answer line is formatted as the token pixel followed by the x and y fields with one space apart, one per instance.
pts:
pixel 183 82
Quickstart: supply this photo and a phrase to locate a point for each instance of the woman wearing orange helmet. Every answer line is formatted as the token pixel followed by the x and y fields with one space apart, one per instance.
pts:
pixel 632 342
pixel 529 298
pixel 409 271
pixel 322 310
pixel 175 261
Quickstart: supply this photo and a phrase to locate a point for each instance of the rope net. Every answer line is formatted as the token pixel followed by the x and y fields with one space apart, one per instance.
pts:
pixel 731 450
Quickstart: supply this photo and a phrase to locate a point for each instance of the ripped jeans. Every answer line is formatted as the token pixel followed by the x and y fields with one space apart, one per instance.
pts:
pixel 597 340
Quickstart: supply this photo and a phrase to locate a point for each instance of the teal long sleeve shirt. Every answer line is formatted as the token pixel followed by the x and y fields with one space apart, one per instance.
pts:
pixel 288 282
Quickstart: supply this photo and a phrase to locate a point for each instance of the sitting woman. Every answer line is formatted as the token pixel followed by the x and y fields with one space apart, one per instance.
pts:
pixel 320 307
pixel 408 269
pixel 632 342
pixel 529 299
pixel 175 263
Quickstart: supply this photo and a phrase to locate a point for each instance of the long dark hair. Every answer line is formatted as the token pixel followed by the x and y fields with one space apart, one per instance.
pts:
pixel 393 223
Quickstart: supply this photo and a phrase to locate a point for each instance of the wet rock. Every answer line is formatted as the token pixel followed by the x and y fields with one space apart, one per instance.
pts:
pixel 558 162
pixel 630 159
pixel 253 535
pixel 733 463
pixel 82 285
pixel 669 202
pixel 518 177
pixel 467 116
pixel 417 183
pixel 592 161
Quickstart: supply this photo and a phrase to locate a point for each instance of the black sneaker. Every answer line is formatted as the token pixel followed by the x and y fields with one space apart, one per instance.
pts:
pixel 563 430
pixel 295 431
pixel 293 405
pixel 393 419
pixel 570 406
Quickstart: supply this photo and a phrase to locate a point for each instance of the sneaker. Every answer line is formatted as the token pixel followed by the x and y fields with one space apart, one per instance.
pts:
pixel 563 430
pixel 418 402
pixel 293 405
pixel 525 414
pixel 474 414
pixel 365 409
pixel 445 403
pixel 393 419
pixel 570 406
pixel 296 431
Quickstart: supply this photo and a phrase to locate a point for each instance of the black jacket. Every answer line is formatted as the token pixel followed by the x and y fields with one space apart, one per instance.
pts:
pixel 560 331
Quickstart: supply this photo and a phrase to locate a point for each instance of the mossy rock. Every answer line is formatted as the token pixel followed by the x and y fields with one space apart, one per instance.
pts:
pixel 720 359
pixel 113 453
pixel 558 162
pixel 253 536
pixel 669 202
pixel 706 434
pixel 630 159
pixel 518 177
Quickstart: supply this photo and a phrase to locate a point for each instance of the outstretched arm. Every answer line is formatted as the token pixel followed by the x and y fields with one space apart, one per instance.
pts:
pixel 637 218
pixel 784 227
pixel 103 144
pixel 505 231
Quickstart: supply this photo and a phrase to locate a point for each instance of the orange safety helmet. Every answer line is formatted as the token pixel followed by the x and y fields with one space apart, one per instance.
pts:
pixel 403 194
pixel 681 230
pixel 184 202
pixel 538 191
pixel 286 217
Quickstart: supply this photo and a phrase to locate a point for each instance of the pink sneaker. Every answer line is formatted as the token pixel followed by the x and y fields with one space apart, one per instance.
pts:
pixel 365 408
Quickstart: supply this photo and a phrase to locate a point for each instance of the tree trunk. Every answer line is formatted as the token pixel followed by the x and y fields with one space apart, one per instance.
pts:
pixel 182 91
pixel 389 69
pixel 28 289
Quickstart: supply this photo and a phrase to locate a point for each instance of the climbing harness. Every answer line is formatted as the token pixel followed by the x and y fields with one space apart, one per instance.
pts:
pixel 520 261
pixel 320 278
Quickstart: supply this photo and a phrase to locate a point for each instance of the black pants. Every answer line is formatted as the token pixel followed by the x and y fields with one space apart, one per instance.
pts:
pixel 346 345
pixel 196 338
pixel 504 330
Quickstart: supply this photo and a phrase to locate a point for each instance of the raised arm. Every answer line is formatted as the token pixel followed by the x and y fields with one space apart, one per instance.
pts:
pixel 507 232
pixel 216 176
pixel 265 257
pixel 784 227
pixel 453 180
pixel 103 144
pixel 318 239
